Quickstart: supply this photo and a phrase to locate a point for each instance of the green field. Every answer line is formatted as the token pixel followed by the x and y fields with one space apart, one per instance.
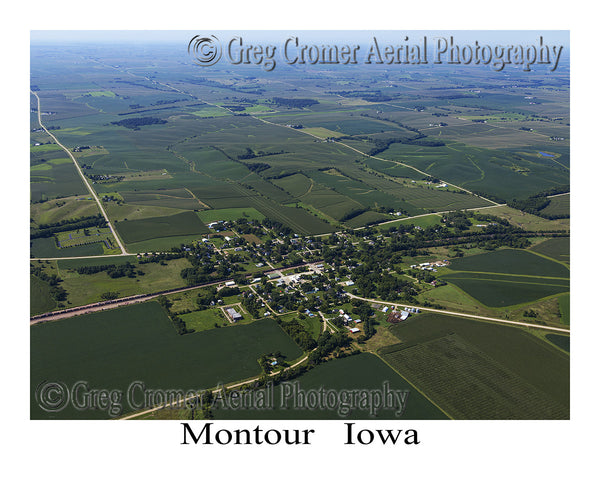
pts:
pixel 556 248
pixel 482 371
pixel 357 372
pixel 111 349
pixel 204 319
pixel 84 289
pixel 506 290
pixel 40 300
pixel 564 303
pixel 229 214
pixel 510 261
pixel 558 206
pixel 181 224
pixel 46 248
pixel 507 277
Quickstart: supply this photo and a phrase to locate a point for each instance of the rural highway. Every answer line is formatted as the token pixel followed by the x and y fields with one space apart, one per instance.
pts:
pixel 465 315
pixel 85 181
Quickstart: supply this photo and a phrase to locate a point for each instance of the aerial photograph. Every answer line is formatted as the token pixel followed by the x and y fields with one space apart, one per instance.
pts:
pixel 299 225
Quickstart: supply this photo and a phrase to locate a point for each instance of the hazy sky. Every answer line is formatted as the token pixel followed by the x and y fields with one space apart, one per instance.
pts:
pixel 556 37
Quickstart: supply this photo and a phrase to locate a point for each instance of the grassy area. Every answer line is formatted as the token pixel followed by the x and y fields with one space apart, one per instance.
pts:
pixel 204 319
pixel 62 209
pixel 528 221
pixel 112 349
pixel 228 214
pixel 564 304
pixel 84 289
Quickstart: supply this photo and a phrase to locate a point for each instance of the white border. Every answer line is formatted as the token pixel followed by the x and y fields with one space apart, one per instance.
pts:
pixel 151 449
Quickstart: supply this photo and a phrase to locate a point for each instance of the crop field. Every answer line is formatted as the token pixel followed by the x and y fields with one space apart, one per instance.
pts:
pixel 500 291
pixel 46 248
pixel 558 206
pixel 494 172
pixel 55 180
pixel 561 341
pixel 510 261
pixel 556 248
pixel 186 223
pixel 507 277
pixel 138 343
pixel 171 198
pixel 357 372
pixel 482 370
pixel 40 300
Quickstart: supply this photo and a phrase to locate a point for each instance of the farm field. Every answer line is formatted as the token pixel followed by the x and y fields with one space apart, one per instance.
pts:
pixel 186 223
pixel 40 300
pixel 527 221
pixel 492 172
pixel 495 371
pixel 331 185
pixel 357 372
pixel 507 277
pixel 138 343
pixel 510 261
pixel 46 248
pixel 556 248
pixel 558 206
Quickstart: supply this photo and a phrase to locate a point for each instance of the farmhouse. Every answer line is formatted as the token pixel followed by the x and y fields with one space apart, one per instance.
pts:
pixel 233 314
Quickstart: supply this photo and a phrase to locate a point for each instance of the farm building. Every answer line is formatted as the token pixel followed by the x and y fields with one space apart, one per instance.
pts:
pixel 395 317
pixel 230 283
pixel 354 330
pixel 233 314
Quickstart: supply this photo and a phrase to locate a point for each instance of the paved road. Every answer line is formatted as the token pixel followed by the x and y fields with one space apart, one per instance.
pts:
pixel 83 178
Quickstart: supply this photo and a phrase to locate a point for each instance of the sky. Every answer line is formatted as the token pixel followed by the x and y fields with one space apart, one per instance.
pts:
pixel 500 37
